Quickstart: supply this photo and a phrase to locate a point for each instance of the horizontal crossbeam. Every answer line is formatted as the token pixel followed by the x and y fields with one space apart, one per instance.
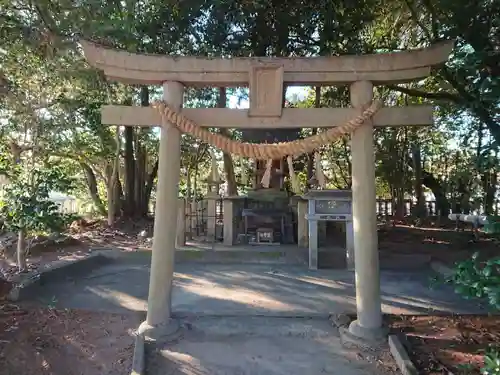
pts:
pixel 330 70
pixel 291 117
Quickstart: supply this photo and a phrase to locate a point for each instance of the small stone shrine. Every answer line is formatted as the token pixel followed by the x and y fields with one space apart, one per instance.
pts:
pixel 329 205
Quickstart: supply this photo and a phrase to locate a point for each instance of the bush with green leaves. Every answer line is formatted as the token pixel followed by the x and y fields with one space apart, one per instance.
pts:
pixel 26 203
pixel 491 362
pixel 474 278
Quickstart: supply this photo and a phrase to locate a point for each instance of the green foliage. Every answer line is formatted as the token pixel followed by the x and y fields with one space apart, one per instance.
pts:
pixel 62 95
pixel 26 204
pixel 491 362
pixel 473 278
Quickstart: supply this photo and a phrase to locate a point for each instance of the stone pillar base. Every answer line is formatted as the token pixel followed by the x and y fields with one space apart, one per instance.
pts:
pixel 161 333
pixel 362 337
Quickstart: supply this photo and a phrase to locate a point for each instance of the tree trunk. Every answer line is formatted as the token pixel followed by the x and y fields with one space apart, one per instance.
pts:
pixel 21 250
pixel 129 188
pixel 149 186
pixel 137 188
pixel 419 210
pixel 463 204
pixel 119 197
pixel 141 203
pixel 113 192
pixel 489 179
pixel 399 203
pixel 442 203
pixel 310 163
pixel 232 187
pixel 93 190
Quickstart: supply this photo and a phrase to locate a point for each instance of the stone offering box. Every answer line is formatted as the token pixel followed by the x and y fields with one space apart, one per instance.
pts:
pixel 329 205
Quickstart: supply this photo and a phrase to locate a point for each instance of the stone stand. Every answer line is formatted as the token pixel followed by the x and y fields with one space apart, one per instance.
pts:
pixel 313 243
pixel 312 225
pixel 302 225
pixel 228 222
pixel 368 302
pixel 212 198
pixel 158 322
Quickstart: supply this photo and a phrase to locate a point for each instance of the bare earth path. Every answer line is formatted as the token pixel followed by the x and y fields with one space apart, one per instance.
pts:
pixel 252 319
pixel 249 290
pixel 263 346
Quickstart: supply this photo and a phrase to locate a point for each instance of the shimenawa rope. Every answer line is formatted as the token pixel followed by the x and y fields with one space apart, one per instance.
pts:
pixel 273 151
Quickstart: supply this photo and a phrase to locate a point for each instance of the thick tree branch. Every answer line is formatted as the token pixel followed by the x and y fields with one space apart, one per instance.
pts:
pixel 447 96
pixel 475 106
pixel 93 189
pixel 414 15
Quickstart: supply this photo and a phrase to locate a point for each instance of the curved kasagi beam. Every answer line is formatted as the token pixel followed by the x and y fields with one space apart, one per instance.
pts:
pixel 380 68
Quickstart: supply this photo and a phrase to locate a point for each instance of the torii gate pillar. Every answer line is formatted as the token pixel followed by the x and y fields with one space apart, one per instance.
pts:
pixel 368 302
pixel 158 321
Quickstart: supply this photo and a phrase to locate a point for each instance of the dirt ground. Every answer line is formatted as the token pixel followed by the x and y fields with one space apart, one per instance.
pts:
pixel 440 241
pixel 82 237
pixel 47 341
pixel 447 344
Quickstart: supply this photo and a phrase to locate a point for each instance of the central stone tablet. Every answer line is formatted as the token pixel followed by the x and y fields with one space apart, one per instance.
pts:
pixel 266 90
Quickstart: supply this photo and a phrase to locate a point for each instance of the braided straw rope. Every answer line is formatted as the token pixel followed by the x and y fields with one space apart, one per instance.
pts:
pixel 264 151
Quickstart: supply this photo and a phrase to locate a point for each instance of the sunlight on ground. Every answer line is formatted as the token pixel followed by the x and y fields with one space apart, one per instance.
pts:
pixel 239 295
pixel 284 293
pixel 312 280
pixel 272 292
pixel 413 302
pixel 125 300
pixel 186 364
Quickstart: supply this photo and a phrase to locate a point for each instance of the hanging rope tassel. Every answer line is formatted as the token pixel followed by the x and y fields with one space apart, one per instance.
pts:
pixel 293 176
pixel 320 176
pixel 266 178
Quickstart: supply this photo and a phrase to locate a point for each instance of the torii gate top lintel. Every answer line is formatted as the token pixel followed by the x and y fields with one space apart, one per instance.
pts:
pixel 378 68
pixel 265 78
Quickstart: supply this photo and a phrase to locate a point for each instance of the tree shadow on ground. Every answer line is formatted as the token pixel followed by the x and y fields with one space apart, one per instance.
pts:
pixel 245 289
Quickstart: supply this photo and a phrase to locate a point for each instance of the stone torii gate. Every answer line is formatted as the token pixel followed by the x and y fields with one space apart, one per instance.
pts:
pixel 266 78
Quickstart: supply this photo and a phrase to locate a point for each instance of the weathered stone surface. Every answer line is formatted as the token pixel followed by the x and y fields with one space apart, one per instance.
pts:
pixel 155 69
pixel 266 90
pixel 340 320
